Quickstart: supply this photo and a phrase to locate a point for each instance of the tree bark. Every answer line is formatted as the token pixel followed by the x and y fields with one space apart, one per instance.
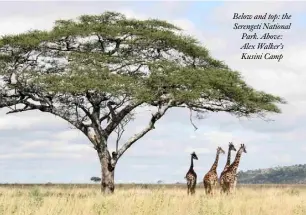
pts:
pixel 107 173
pixel 108 162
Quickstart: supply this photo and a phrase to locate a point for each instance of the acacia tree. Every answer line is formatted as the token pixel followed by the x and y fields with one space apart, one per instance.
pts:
pixel 94 72
pixel 95 179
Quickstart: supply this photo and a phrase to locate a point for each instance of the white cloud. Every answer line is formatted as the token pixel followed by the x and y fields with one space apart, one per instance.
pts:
pixel 130 14
pixel 14 122
pixel 295 58
pixel 32 145
pixel 70 135
pixel 16 25
pixel 256 7
pixel 40 156
pixel 45 149
pixel 282 159
pixel 76 148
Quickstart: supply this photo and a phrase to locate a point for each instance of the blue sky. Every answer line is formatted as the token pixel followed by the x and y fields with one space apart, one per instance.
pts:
pixel 38 148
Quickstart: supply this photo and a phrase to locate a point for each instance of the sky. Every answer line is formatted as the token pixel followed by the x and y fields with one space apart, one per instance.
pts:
pixel 38 147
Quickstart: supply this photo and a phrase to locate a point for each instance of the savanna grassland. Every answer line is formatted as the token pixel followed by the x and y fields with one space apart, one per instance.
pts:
pixel 150 200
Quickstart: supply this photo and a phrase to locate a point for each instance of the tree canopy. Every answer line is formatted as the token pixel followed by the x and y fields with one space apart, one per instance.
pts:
pixel 94 71
pixel 142 59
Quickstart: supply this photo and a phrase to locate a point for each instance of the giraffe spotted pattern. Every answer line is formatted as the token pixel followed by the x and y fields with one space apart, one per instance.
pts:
pixel 210 180
pixel 229 178
pixel 231 147
pixel 191 176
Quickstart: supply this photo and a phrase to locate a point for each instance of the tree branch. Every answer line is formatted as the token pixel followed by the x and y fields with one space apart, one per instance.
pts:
pixel 119 116
pixel 190 118
pixel 111 109
pixel 155 117
pixel 4 103
pixel 26 108
pixel 50 109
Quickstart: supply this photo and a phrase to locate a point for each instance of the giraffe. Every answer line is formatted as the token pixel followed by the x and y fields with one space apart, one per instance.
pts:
pixel 210 180
pixel 191 176
pixel 231 147
pixel 229 177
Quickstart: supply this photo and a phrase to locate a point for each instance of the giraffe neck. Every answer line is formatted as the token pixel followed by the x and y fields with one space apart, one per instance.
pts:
pixel 233 167
pixel 191 163
pixel 215 164
pixel 228 161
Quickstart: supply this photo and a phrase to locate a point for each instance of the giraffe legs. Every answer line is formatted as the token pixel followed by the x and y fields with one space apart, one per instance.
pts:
pixel 231 188
pixel 234 187
pixel 225 187
pixel 205 187
pixel 194 184
pixel 192 191
pixel 222 186
pixel 214 187
pixel 190 188
pixel 210 190
pixel 210 187
pixel 235 182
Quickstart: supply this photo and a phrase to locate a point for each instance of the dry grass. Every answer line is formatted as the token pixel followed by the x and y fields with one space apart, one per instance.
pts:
pixel 158 201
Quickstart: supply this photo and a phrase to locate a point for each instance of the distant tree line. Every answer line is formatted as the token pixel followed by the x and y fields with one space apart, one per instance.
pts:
pixel 295 174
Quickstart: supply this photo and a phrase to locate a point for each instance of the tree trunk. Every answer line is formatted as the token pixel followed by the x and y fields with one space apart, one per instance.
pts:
pixel 107 173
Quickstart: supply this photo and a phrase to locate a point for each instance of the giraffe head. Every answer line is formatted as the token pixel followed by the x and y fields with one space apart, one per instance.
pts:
pixel 194 156
pixel 243 148
pixel 231 146
pixel 220 150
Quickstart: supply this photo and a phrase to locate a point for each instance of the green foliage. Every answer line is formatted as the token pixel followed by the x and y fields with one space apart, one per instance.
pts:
pixel 147 61
pixel 295 174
